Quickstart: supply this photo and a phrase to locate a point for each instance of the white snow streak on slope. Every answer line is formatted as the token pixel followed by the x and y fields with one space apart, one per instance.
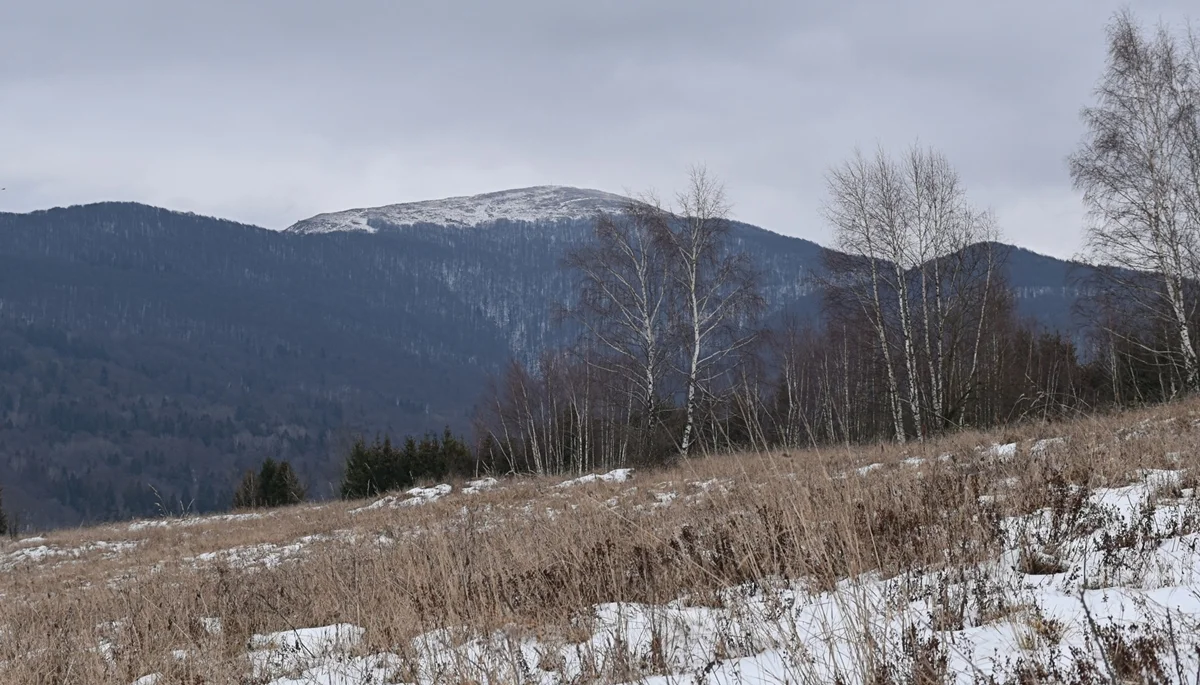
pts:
pixel 193 521
pixel 1046 444
pixel 534 205
pixel 266 554
pixel 29 555
pixel 290 650
pixel 614 476
pixel 868 469
pixel 475 487
pixel 415 497
pixel 787 634
pixel 419 496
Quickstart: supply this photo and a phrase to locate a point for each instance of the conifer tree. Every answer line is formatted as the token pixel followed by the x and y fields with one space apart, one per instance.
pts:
pixel 3 517
pixel 286 487
pixel 275 485
pixel 365 475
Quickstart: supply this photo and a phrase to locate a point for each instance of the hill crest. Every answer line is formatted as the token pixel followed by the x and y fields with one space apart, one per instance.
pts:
pixel 535 204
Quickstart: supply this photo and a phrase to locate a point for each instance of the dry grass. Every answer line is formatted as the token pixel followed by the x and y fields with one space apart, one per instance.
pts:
pixel 529 559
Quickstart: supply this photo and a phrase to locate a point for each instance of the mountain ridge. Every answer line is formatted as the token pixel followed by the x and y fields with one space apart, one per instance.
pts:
pixel 299 227
pixel 142 347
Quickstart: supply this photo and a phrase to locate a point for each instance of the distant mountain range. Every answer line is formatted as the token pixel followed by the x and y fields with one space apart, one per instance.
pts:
pixel 143 348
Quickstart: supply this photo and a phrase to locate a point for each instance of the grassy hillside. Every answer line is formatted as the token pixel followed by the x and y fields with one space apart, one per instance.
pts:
pixel 1031 555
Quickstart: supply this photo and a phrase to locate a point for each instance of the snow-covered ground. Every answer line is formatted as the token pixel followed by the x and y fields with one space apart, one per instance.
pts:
pixel 32 552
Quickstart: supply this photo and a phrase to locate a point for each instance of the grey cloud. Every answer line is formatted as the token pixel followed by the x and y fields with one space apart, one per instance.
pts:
pixel 275 110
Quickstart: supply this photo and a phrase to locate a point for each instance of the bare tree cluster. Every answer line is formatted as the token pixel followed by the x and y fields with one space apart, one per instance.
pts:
pixel 829 384
pixel 919 266
pixel 667 310
pixel 1139 170
pixel 565 415
pixel 919 334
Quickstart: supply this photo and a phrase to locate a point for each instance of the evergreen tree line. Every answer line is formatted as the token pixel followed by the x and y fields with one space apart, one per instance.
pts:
pixel 5 528
pixel 275 484
pixel 378 467
pixel 370 469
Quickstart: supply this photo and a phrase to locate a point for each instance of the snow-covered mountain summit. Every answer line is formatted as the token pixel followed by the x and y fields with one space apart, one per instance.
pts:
pixel 536 204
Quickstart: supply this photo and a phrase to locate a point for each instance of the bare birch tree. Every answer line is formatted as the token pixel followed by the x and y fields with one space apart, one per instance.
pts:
pixel 858 270
pixel 715 291
pixel 1139 170
pixel 623 302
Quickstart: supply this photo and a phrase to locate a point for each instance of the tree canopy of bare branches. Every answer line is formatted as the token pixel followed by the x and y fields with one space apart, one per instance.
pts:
pixel 668 310
pixel 624 299
pixel 917 263
pixel 715 291
pixel 1139 170
pixel 919 334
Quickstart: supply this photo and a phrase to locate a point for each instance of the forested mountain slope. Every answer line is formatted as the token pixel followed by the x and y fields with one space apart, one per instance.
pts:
pixel 147 357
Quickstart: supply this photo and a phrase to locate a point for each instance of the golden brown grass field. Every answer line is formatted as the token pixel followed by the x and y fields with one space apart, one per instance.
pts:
pixel 1041 553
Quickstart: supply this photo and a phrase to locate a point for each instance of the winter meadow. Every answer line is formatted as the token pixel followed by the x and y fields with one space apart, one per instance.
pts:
pixel 902 461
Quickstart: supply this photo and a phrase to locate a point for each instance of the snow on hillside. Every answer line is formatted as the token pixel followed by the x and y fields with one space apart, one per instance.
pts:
pixel 536 204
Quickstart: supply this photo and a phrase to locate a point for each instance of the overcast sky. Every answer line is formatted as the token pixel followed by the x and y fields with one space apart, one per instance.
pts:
pixel 271 111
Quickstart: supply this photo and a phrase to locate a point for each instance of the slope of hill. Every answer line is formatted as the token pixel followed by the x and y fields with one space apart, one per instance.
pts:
pixel 1063 553
pixel 142 348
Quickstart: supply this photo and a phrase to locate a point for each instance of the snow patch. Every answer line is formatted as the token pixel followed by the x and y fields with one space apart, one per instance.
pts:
pixel 415 497
pixel 419 496
pixel 868 469
pixel 475 487
pixel 189 521
pixel 294 650
pixel 249 556
pixel 1002 452
pixel 1046 444
pixel 614 476
pixel 107 550
pixel 388 501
